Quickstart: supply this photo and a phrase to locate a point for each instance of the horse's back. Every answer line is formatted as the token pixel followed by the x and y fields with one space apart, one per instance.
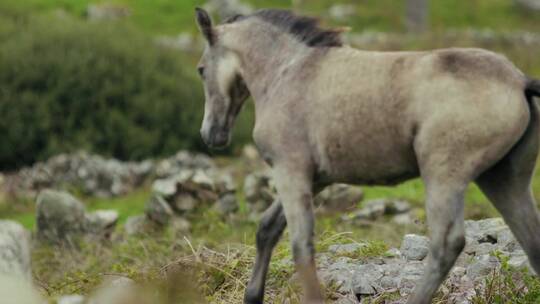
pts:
pixel 377 117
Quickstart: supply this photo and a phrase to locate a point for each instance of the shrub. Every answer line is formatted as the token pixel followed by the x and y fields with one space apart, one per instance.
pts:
pixel 68 85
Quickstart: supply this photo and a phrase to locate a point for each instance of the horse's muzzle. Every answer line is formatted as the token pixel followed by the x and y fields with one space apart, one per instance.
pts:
pixel 216 138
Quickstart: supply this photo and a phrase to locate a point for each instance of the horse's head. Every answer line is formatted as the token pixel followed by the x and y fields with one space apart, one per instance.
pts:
pixel 224 88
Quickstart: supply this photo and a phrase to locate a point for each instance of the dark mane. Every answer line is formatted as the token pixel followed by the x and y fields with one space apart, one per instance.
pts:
pixel 305 29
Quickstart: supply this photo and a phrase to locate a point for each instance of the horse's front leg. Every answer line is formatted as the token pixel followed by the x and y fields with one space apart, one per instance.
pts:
pixel 270 229
pixel 293 182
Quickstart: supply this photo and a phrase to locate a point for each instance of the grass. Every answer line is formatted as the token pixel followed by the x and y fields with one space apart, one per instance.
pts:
pixel 213 262
pixel 509 285
pixel 170 16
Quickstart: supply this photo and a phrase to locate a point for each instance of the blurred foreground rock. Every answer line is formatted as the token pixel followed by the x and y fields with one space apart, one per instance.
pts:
pixel 61 218
pixel 71 299
pixel 400 269
pixel 14 251
pixel 16 290
pixel 120 290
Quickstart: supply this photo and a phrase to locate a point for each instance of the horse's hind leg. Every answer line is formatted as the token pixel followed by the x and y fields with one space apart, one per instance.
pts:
pixel 271 227
pixel 508 186
pixel 444 206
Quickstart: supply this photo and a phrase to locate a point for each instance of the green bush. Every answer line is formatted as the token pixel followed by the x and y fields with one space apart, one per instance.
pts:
pixel 68 85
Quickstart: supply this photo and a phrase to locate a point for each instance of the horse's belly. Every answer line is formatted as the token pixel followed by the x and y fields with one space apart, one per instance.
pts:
pixel 373 160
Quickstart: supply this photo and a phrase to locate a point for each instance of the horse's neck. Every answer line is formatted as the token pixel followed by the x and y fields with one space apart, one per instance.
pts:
pixel 265 60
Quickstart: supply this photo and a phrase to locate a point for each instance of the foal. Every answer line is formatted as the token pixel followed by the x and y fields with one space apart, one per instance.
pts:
pixel 329 113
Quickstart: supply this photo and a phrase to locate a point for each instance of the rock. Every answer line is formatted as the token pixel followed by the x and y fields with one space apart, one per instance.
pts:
pixel 371 210
pixel 409 276
pixel 342 12
pixel 92 174
pixel 415 247
pixel 180 225
pixel 485 231
pixel 14 250
pixel 403 219
pixel 480 248
pixel 345 249
pixel 135 225
pixel 16 290
pixel 101 222
pixel 60 217
pixel 71 299
pixel 165 187
pixel 259 192
pixel 183 161
pixel 187 189
pixel 251 154
pixel 392 252
pixel 227 204
pixel 228 8
pixel 107 12
pixel 520 262
pixel 182 42
pixel 184 203
pixel 482 266
pixel 338 274
pixel 416 16
pixel 339 198
pixel 533 5
pixel 400 270
pixel 365 279
pixel 158 211
pixel 120 291
pixel 374 209
pixel 393 207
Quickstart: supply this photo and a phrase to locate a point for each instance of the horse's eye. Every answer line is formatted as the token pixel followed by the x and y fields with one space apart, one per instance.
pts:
pixel 201 71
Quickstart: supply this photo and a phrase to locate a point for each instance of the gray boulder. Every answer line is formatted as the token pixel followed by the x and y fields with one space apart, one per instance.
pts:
pixel 338 198
pixel 137 224
pixel 101 222
pixel 226 204
pixel 60 216
pixel 182 161
pixel 533 5
pixel 374 209
pixel 366 279
pixel 345 249
pixel 482 266
pixel 14 250
pixel 158 210
pixel 259 191
pixel 415 247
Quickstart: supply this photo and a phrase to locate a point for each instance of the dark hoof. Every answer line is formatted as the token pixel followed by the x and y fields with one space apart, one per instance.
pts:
pixel 251 298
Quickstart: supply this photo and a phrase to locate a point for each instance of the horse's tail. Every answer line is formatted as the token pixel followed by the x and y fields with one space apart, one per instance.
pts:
pixel 532 88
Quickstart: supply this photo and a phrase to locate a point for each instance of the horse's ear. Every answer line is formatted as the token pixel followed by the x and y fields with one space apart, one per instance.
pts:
pixel 205 25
